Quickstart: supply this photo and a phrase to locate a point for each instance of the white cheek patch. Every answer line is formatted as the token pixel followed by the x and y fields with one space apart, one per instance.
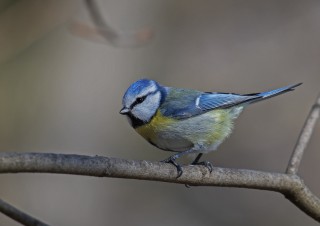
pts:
pixel 148 107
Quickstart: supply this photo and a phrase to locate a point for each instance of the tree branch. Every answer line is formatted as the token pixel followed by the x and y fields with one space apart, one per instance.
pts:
pixel 304 138
pixel 18 215
pixel 289 185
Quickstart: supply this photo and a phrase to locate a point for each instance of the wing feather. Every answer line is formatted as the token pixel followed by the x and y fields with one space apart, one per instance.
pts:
pixel 185 103
pixel 211 101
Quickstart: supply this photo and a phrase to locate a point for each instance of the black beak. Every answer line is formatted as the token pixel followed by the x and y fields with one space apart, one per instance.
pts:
pixel 124 111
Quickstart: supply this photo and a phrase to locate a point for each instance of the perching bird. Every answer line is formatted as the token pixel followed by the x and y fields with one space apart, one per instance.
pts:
pixel 183 120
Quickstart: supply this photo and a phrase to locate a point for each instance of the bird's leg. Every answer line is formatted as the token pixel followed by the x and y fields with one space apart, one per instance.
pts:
pixel 172 160
pixel 203 163
pixel 196 160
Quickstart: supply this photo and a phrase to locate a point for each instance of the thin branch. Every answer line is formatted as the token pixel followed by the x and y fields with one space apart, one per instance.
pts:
pixel 290 185
pixel 103 32
pixel 18 215
pixel 96 16
pixel 304 138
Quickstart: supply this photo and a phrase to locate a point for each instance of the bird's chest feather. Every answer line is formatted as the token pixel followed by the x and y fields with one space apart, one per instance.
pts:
pixel 178 135
pixel 162 132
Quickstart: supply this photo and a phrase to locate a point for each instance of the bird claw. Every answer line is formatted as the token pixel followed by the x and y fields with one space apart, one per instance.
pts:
pixel 173 162
pixel 207 164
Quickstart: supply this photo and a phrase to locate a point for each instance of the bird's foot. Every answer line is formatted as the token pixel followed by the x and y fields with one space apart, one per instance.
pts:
pixel 171 160
pixel 207 164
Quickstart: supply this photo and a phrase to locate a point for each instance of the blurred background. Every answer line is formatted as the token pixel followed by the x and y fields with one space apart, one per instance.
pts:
pixel 61 86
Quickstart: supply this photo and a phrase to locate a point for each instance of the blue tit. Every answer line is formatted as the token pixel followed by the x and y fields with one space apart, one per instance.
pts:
pixel 186 121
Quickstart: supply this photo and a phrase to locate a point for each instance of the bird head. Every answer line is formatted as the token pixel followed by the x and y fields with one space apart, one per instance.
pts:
pixel 141 101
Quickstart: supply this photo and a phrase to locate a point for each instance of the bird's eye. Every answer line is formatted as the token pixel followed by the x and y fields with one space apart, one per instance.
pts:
pixel 139 100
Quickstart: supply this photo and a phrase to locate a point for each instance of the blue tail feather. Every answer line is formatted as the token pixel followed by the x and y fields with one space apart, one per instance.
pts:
pixel 275 92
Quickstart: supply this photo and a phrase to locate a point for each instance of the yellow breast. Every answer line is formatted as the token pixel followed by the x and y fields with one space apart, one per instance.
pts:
pixel 159 122
pixel 207 130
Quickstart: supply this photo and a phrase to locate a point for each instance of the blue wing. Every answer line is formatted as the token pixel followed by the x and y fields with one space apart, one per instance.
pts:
pixel 182 103
pixel 211 101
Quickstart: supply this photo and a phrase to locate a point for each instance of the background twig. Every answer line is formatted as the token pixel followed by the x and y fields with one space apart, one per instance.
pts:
pixel 304 138
pixel 113 36
pixel 18 215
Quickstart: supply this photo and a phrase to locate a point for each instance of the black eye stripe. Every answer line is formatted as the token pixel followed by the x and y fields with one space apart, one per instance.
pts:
pixel 139 100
